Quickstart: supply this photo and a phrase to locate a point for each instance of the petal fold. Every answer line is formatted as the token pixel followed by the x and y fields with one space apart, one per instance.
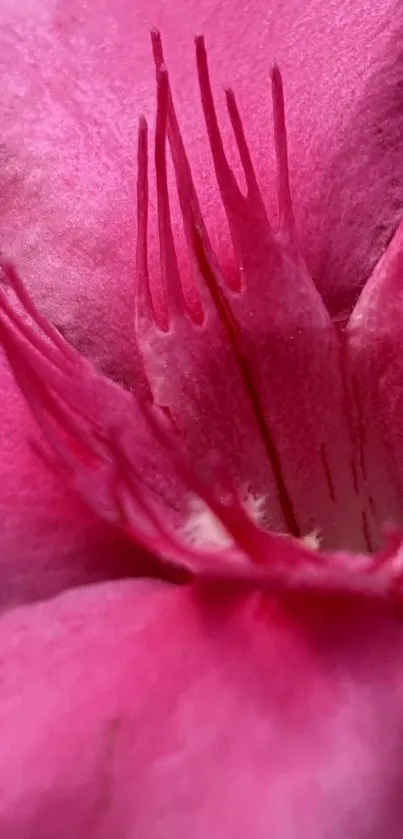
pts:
pixel 140 710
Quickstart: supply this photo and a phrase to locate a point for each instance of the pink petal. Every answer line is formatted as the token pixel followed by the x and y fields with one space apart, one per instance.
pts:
pixel 126 459
pixel 374 338
pixel 257 375
pixel 74 79
pixel 133 709
pixel 49 539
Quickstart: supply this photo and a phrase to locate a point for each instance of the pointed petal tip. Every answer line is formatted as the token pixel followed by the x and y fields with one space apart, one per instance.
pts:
pixel 157 48
pixel 155 36
pixel 200 44
pixel 142 124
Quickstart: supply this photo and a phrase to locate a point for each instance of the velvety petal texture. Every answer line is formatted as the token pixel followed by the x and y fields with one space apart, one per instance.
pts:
pixel 130 463
pixel 74 80
pixel 156 712
pixel 49 540
pixel 374 344
pixel 207 421
pixel 256 378
pixel 75 77
pixel 65 542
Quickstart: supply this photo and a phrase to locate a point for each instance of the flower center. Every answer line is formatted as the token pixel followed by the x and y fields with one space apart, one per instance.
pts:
pixel 257 406
pixel 263 377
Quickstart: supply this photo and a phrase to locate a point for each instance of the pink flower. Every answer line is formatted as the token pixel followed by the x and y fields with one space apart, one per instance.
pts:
pixel 257 460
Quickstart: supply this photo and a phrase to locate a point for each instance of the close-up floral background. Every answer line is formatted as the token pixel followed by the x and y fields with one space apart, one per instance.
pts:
pixel 201 487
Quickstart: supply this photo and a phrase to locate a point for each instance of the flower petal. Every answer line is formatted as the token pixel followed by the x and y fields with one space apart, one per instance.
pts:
pixel 75 78
pixel 373 336
pixel 140 710
pixel 129 464
pixel 258 375
pixel 48 539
